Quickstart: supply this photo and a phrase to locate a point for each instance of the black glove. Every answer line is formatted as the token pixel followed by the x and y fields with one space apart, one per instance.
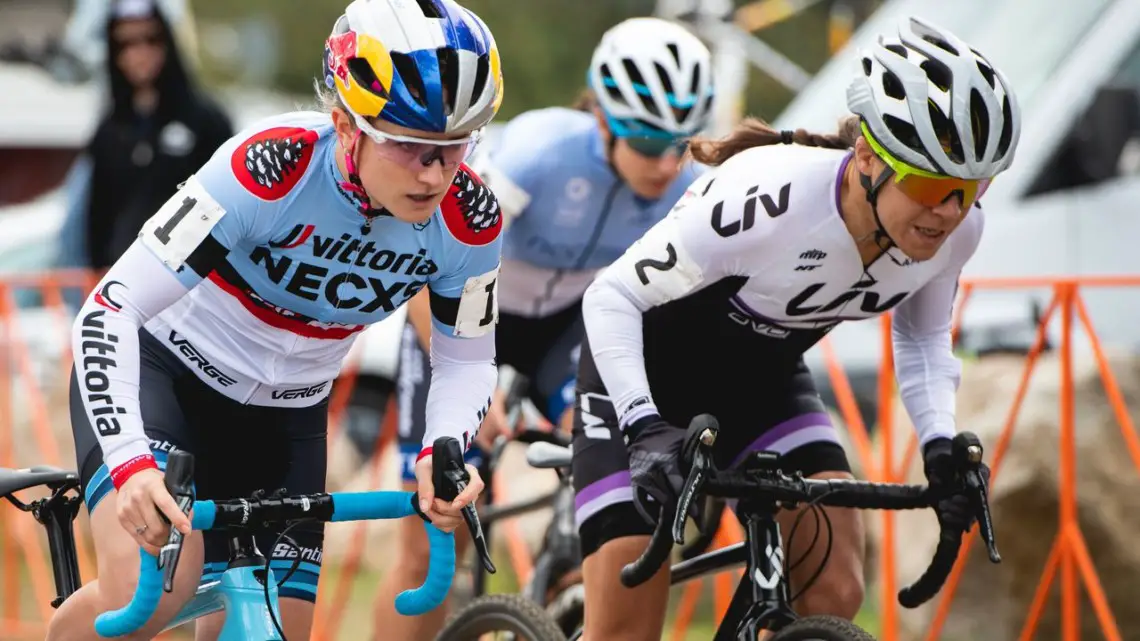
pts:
pixel 955 510
pixel 654 465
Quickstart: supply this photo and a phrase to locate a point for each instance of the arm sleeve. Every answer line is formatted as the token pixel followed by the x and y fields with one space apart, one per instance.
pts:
pixel 463 376
pixel 176 248
pixel 680 255
pixel 925 366
pixel 105 345
pixel 464 310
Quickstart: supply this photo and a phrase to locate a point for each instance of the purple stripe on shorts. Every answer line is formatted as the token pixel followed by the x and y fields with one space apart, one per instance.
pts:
pixel 601 486
pixel 793 433
pixel 593 498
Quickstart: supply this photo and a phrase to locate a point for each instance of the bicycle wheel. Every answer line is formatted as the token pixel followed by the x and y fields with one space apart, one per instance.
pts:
pixel 822 628
pixel 568 608
pixel 513 615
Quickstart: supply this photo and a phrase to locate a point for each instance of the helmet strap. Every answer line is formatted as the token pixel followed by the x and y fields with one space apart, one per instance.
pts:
pixel 881 238
pixel 355 187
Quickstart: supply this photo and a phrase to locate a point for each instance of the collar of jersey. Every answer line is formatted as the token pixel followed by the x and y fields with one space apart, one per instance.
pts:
pixel 597 145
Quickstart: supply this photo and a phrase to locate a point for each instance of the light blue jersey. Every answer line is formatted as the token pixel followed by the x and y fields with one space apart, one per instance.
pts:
pixel 569 214
pixel 271 271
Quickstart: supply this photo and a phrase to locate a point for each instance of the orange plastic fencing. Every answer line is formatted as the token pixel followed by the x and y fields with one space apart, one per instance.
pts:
pixel 1070 556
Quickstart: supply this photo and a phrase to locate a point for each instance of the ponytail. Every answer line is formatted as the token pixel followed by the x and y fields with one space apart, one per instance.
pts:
pixel 753 132
pixel 586 101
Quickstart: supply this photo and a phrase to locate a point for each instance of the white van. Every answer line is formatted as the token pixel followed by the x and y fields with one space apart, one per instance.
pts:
pixel 1067 206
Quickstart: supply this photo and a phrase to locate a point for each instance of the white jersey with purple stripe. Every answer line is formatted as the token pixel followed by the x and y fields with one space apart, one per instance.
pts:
pixel 756 264
pixel 261 271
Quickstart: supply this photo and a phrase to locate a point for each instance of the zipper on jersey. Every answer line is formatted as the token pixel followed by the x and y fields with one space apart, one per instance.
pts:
pixel 599 226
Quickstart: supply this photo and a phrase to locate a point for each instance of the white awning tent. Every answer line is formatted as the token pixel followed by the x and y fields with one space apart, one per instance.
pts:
pixel 38 111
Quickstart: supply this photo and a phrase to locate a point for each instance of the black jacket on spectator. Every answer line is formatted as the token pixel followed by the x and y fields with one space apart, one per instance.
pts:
pixel 138 160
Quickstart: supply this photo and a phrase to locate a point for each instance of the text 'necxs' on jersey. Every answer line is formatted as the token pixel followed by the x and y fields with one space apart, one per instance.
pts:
pixel 357 286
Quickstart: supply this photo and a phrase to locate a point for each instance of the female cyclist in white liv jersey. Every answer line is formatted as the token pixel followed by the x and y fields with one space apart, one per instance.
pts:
pixel 713 308
pixel 577 187
pixel 220 329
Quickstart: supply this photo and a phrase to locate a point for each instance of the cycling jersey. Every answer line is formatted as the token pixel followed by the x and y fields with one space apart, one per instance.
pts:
pixel 261 271
pixel 569 214
pixel 754 266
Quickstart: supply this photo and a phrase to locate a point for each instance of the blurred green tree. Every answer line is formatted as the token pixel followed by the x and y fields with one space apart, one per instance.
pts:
pixel 545 44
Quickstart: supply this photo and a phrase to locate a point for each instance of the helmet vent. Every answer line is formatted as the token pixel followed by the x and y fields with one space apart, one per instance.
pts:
pixel 892 86
pixel 613 92
pixel 664 76
pixel 672 47
pixel 410 74
pixel 947 133
pixel 430 9
pixel 987 73
pixel 979 123
pixel 449 74
pixel 638 80
pixel 937 73
pixel 897 48
pixel 904 132
pixel 364 76
pixel 1007 128
pixel 482 70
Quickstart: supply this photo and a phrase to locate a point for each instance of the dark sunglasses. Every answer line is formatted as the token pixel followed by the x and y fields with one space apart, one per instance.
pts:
pixel 656 147
pixel 152 39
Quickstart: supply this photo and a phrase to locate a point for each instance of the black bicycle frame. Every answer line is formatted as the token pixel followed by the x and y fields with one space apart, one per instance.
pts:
pixel 761 601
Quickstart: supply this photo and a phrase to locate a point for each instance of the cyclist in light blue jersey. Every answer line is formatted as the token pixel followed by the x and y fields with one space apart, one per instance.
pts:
pixel 577 187
pixel 220 329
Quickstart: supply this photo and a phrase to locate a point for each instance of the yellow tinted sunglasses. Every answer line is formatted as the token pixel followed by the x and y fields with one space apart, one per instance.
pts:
pixel 926 188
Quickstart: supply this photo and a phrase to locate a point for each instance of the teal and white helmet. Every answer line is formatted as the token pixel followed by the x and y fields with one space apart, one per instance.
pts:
pixel 652 77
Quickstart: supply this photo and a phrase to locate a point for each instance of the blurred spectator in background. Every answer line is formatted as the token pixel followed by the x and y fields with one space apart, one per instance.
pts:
pixel 159 129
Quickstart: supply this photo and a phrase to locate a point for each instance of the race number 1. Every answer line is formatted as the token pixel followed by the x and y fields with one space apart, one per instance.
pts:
pixel 478 305
pixel 180 225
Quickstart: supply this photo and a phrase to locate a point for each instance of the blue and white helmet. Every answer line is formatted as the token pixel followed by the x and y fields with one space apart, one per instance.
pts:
pixel 652 77
pixel 429 65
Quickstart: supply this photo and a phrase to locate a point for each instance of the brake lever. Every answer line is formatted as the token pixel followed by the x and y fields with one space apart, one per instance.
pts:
pixel 447 463
pixel 178 479
pixel 969 452
pixel 979 496
pixel 698 473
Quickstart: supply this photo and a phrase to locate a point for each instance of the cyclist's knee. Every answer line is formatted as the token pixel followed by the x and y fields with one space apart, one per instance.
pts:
pixel 838 594
pixel 415 552
pixel 209 627
pixel 118 562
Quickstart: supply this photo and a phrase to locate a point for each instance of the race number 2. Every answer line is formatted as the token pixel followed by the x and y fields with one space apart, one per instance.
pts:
pixel 478 305
pixel 180 225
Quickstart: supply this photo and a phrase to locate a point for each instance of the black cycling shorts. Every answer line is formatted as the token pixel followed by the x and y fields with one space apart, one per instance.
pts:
pixel 237 450
pixel 545 350
pixel 783 413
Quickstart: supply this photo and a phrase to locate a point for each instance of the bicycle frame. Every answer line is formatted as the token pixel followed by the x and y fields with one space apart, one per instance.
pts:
pixel 240 593
pixel 761 599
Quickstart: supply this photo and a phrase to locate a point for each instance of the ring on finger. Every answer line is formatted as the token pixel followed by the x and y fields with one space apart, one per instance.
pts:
pixel 139 530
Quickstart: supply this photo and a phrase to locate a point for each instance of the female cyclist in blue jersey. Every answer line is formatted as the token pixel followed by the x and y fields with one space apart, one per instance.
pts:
pixel 712 310
pixel 220 329
pixel 577 187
